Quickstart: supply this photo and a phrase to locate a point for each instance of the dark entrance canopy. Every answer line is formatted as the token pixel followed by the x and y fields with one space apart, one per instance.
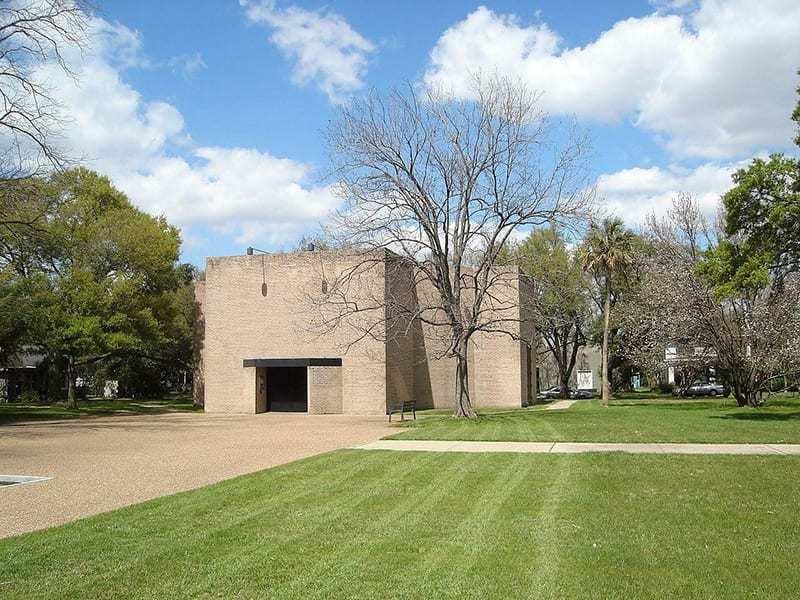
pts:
pixel 292 362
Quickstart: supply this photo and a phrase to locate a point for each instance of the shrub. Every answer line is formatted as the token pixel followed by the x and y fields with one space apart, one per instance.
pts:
pixel 665 388
pixel 28 397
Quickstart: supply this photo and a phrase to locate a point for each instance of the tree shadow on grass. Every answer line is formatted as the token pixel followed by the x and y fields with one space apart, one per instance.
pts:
pixel 680 405
pixel 27 414
pixel 782 403
pixel 757 415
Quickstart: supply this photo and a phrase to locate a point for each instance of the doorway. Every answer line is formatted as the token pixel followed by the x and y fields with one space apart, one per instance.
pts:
pixel 287 389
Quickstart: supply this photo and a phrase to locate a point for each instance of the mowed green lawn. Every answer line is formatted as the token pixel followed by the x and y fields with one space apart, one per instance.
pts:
pixel 370 524
pixel 13 412
pixel 626 420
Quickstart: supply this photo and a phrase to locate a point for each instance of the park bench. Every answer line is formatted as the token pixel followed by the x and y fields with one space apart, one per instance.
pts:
pixel 410 406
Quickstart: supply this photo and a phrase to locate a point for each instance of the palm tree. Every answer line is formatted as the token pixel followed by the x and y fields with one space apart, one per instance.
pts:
pixel 607 252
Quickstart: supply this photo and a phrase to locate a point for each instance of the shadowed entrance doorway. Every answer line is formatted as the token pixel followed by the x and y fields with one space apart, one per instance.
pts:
pixel 282 384
pixel 287 389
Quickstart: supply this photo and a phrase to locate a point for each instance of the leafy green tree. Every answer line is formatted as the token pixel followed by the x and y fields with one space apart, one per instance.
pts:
pixel 762 224
pixel 561 309
pixel 607 251
pixel 107 267
pixel 21 302
pixel 166 362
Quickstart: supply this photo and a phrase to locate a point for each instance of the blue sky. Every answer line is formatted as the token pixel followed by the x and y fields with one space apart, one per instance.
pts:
pixel 211 112
pixel 244 70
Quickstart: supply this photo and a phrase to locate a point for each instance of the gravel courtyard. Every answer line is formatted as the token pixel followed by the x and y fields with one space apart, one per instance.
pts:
pixel 100 464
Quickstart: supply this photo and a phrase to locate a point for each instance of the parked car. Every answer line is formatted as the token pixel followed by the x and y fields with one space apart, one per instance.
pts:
pixel 553 392
pixel 701 388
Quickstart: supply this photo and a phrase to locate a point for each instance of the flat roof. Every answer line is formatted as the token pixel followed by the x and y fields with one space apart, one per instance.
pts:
pixel 292 362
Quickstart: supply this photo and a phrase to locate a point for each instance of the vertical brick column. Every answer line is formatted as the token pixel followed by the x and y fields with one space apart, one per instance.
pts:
pixel 261 389
pixel 324 390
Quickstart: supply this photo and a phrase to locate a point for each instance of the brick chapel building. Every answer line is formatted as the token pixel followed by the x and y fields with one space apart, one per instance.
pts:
pixel 259 351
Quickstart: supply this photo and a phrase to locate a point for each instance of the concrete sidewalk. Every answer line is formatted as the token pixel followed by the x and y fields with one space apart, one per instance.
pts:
pixel 579 447
pixel 560 405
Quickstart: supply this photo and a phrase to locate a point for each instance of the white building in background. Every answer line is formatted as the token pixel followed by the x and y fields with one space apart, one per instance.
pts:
pixel 678 359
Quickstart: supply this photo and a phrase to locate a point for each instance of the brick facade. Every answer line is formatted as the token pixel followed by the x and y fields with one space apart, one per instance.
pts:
pixel 324 390
pixel 236 322
pixel 198 385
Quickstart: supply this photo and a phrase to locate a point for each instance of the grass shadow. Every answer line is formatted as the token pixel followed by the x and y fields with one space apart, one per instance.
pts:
pixel 755 415
pixel 11 414
pixel 674 405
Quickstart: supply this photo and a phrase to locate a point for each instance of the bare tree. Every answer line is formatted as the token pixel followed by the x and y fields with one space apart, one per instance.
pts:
pixel 34 33
pixel 749 337
pixel 439 185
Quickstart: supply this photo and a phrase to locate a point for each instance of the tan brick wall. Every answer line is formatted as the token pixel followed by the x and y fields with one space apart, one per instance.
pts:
pixel 496 376
pixel 497 362
pixel 435 374
pixel 261 389
pixel 442 382
pixel 240 323
pixel 528 354
pixel 400 332
pixel 324 390
pixel 424 371
pixel 198 387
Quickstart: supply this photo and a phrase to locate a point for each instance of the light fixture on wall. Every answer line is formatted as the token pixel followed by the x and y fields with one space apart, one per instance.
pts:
pixel 324 285
pixel 264 286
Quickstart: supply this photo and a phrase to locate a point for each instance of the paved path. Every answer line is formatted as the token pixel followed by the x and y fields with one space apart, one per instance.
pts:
pixel 99 464
pixel 579 447
pixel 560 405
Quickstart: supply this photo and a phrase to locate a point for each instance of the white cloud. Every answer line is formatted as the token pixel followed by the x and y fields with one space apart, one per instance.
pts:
pixel 672 4
pixel 251 194
pixel 117 44
pixel 635 193
pixel 716 81
pixel 145 149
pixel 186 64
pixel 122 48
pixel 325 49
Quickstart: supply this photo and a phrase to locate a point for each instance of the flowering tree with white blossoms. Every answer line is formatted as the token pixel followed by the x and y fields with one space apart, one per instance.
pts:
pixel 750 336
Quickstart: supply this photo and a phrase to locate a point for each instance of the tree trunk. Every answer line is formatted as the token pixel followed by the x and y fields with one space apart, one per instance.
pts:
pixel 564 383
pixel 72 400
pixel 606 395
pixel 746 396
pixel 745 388
pixel 462 401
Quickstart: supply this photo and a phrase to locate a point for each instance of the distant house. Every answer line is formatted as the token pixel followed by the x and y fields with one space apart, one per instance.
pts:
pixel 22 372
pixel 585 376
pixel 688 363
